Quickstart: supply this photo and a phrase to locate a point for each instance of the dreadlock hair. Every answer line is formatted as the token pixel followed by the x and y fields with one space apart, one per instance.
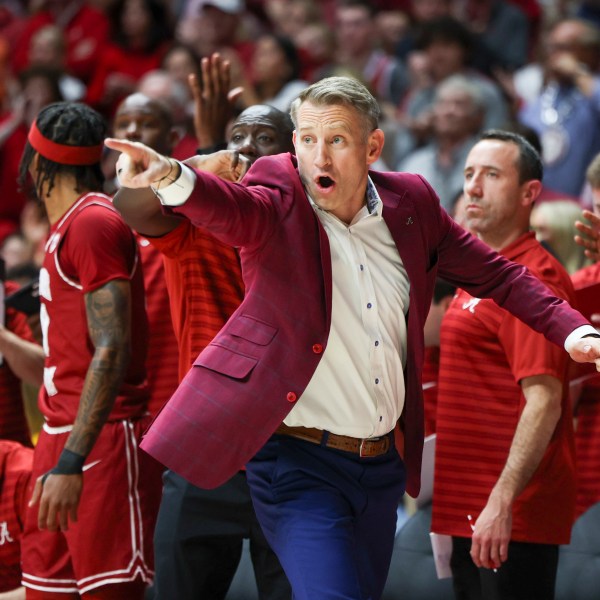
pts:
pixel 72 124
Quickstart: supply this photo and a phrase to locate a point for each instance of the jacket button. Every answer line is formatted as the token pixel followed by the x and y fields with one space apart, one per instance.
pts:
pixel 291 397
pixel 317 348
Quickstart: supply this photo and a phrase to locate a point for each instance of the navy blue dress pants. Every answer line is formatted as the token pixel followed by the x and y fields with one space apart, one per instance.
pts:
pixel 329 515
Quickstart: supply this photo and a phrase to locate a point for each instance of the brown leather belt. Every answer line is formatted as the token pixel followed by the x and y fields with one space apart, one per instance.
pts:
pixel 365 448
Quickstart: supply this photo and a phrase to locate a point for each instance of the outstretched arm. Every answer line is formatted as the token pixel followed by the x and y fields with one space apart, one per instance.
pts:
pixel 108 310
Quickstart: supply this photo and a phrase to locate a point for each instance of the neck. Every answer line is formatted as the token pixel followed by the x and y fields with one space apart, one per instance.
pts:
pixel 61 198
pixel 498 240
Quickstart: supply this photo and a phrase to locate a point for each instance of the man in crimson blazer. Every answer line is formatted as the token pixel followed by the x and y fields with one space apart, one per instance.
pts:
pixel 322 360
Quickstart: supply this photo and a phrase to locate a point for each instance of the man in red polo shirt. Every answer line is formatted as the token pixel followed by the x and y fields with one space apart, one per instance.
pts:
pixel 505 475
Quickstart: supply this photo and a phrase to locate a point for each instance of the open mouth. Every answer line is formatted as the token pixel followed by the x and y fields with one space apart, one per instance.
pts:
pixel 325 182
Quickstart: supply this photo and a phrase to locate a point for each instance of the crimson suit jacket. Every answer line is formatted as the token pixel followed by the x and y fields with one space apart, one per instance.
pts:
pixel 244 383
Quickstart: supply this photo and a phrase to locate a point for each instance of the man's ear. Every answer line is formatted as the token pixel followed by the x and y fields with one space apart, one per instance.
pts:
pixel 531 191
pixel 375 145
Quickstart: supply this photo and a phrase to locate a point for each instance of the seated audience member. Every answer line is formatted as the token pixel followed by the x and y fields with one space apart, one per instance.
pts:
pixel 86 29
pixel 39 86
pixel 554 225
pixel 275 73
pixel 446 46
pixel 49 49
pixel 457 115
pixel 15 474
pixel 567 108
pixel 140 36
pixel 357 50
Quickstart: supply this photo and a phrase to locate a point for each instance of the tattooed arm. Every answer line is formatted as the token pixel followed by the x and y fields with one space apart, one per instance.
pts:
pixel 108 312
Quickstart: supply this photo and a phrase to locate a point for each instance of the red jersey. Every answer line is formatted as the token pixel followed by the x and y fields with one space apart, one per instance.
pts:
pixel 205 287
pixel 485 353
pixel 13 423
pixel 88 247
pixel 163 353
pixel 15 472
pixel 587 433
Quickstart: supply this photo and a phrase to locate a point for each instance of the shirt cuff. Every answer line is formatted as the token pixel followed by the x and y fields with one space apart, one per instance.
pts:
pixel 177 193
pixel 577 334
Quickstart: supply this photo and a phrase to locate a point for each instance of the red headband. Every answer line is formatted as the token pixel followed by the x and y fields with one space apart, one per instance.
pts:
pixel 61 153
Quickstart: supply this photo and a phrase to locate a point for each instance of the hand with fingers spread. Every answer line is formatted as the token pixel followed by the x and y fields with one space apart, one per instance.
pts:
pixel 590 239
pixel 140 167
pixel 58 497
pixel 213 100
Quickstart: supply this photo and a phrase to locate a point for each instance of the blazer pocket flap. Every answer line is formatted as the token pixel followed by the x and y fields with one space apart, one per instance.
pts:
pixel 224 361
pixel 252 329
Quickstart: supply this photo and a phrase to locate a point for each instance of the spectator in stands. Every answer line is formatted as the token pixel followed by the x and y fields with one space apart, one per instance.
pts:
pixel 458 113
pixel 504 485
pixel 39 86
pixel 554 225
pixel 49 49
pixel 357 51
pixel 140 36
pixel 567 109
pixel 275 73
pixel 86 30
pixel 447 45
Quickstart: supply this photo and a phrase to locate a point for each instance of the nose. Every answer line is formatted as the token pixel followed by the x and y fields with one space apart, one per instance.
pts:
pixel 248 148
pixel 132 131
pixel 472 187
pixel 322 158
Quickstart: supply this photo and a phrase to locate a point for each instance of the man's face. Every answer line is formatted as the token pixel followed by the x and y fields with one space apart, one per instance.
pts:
pixel 258 132
pixel 354 28
pixel 492 189
pixel 334 153
pixel 455 114
pixel 140 119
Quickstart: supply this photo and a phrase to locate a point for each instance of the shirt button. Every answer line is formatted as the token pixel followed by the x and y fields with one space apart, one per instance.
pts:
pixel 369 305
pixel 317 348
pixel 291 397
pixel 377 380
pixel 377 342
pixel 362 267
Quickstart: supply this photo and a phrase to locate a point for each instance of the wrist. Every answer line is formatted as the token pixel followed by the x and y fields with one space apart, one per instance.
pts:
pixel 172 175
pixel 69 463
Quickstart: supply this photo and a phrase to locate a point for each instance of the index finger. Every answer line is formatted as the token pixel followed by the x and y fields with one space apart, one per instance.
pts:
pixel 122 146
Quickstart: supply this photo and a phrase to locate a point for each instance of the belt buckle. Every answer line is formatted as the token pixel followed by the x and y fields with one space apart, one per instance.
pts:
pixel 365 449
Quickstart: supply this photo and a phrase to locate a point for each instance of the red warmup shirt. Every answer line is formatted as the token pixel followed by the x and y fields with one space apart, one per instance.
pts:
pixel 485 353
pixel 86 35
pixel 162 361
pixel 205 287
pixel 15 472
pixel 587 433
pixel 13 423
pixel 88 247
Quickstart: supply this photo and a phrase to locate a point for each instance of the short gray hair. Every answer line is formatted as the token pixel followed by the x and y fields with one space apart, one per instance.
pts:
pixel 340 90
pixel 460 83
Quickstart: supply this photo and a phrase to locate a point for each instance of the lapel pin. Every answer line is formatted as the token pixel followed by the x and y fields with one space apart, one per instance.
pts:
pixel 409 221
